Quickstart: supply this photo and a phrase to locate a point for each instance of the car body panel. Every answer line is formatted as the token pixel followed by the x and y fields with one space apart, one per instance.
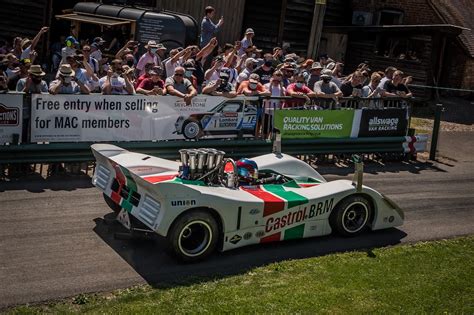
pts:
pixel 149 189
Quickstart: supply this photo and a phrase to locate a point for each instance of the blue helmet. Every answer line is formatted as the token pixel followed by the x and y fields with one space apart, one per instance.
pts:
pixel 247 169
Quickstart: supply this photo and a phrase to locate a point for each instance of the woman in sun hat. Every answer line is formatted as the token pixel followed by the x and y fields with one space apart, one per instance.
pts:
pixel 66 82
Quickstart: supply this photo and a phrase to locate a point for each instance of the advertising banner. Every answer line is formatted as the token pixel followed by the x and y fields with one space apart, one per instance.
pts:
pixel 76 118
pixel 311 124
pixel 11 110
pixel 389 122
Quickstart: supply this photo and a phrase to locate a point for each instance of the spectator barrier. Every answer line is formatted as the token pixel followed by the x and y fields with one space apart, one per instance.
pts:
pixel 61 127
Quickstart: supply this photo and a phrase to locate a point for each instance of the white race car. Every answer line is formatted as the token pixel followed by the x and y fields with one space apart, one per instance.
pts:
pixel 200 206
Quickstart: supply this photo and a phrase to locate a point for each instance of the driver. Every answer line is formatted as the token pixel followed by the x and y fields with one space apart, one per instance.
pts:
pixel 247 171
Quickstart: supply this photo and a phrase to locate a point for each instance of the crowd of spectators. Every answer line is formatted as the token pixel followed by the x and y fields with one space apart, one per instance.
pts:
pixel 240 68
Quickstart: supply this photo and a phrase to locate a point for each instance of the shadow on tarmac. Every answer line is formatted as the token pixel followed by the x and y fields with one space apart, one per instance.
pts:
pixel 149 258
pixel 374 168
pixel 36 183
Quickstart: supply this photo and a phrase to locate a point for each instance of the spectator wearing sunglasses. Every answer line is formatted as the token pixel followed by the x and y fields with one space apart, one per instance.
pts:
pixel 34 83
pixel 86 51
pixel 179 86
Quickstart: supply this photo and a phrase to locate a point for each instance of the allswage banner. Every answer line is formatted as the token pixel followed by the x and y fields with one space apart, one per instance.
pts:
pixel 390 122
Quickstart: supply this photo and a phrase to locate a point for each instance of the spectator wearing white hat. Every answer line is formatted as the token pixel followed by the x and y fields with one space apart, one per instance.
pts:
pixel 314 74
pixel 326 88
pixel 34 83
pixel 66 82
pixel 150 55
pixel 246 42
pixel 250 66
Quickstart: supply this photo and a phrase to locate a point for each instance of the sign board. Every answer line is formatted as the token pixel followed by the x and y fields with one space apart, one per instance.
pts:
pixel 76 118
pixel 311 124
pixel 150 29
pixel 389 122
pixel 11 116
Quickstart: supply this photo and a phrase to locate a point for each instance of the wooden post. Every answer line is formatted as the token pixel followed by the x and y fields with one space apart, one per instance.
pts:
pixel 281 26
pixel 316 28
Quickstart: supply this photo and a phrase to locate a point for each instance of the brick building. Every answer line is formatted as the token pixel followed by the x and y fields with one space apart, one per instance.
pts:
pixel 431 40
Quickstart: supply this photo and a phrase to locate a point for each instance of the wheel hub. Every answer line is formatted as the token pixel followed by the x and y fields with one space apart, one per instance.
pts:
pixel 195 238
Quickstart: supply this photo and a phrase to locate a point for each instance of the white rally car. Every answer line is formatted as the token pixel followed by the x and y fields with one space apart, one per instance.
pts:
pixel 233 116
pixel 200 207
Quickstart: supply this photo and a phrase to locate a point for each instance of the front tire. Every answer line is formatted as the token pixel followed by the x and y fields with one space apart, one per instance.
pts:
pixel 112 205
pixel 192 129
pixel 351 216
pixel 193 236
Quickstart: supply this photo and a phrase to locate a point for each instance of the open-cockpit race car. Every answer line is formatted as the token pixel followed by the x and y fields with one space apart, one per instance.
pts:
pixel 208 202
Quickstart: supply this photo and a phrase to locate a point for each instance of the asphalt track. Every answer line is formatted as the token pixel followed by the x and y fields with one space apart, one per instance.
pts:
pixel 54 242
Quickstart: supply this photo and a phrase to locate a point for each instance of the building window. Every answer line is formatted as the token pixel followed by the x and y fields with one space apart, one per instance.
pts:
pixel 390 17
pixel 401 48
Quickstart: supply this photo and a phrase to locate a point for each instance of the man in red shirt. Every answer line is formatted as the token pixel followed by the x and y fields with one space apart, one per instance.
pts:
pixel 148 66
pixel 152 85
pixel 300 93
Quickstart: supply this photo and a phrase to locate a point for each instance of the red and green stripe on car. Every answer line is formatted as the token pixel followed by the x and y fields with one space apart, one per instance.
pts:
pixel 276 199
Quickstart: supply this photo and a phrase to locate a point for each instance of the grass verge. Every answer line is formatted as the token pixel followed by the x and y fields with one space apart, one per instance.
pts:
pixel 430 277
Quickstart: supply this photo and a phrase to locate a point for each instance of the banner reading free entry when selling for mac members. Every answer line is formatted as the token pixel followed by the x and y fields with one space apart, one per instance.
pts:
pixel 310 124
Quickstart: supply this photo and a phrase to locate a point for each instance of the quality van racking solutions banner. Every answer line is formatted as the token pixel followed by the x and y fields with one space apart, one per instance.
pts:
pixel 312 124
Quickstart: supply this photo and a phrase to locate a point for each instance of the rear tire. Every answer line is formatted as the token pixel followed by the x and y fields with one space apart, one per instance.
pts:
pixel 351 216
pixel 193 236
pixel 112 205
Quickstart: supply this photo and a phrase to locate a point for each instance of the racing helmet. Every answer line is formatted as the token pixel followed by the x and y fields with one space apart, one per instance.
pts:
pixel 247 170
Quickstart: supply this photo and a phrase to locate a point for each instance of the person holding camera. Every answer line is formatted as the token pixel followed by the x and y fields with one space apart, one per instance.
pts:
pixel 208 28
pixel 34 83
pixel 116 82
pixel 66 83
pixel 220 87
pixel 152 85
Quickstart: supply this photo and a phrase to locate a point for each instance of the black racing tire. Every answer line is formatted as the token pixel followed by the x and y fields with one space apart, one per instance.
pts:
pixel 112 205
pixel 193 236
pixel 351 216
pixel 192 129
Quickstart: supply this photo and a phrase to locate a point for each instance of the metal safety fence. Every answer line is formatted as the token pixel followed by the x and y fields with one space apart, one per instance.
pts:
pixel 23 149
